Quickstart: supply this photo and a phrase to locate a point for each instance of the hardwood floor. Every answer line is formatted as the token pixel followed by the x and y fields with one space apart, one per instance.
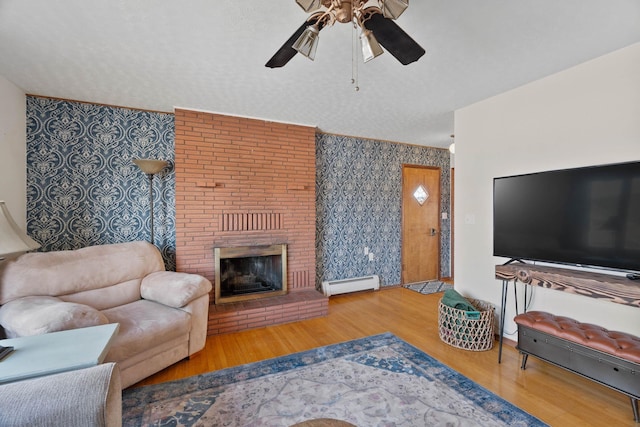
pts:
pixel 554 395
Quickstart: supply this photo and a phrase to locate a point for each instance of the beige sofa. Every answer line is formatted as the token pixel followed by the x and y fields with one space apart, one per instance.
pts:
pixel 162 314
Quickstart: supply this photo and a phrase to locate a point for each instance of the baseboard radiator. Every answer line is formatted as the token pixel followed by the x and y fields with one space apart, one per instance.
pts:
pixel 335 287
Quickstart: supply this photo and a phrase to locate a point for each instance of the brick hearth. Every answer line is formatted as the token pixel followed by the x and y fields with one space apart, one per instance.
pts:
pixel 234 317
pixel 242 182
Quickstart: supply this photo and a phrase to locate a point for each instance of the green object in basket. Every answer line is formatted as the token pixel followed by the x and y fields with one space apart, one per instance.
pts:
pixel 453 299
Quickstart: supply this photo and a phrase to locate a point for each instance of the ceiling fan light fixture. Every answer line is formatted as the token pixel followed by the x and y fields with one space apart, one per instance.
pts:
pixel 307 43
pixel 370 46
pixel 394 8
pixel 377 16
pixel 309 5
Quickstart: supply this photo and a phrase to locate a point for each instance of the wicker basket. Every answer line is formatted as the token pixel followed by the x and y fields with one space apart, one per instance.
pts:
pixel 467 332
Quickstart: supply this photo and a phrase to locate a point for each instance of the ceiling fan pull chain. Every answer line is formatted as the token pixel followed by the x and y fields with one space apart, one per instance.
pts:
pixel 354 55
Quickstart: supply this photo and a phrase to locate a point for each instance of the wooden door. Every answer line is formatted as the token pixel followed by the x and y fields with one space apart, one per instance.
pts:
pixel 420 223
pixel 453 188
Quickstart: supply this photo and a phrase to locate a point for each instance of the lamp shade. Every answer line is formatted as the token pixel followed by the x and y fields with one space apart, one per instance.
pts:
pixel 370 46
pixel 394 8
pixel 150 166
pixel 309 5
pixel 13 241
pixel 307 43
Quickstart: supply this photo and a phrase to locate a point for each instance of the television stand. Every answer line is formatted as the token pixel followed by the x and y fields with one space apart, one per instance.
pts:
pixel 617 289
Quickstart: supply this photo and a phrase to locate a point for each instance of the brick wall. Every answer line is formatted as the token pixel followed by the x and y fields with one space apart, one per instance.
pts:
pixel 244 182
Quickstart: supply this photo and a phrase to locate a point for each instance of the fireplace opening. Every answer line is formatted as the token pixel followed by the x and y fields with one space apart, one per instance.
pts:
pixel 250 272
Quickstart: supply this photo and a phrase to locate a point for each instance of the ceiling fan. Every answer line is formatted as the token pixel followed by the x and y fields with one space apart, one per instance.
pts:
pixel 375 18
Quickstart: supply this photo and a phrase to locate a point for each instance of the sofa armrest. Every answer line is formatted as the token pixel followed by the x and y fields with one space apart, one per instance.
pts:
pixel 85 397
pixel 173 288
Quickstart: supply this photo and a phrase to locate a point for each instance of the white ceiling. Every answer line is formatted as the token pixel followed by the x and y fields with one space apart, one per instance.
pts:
pixel 210 56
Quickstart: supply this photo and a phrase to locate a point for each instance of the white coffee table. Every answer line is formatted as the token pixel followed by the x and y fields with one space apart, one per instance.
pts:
pixel 56 352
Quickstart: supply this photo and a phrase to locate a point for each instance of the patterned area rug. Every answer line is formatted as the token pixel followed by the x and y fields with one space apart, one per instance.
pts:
pixel 375 381
pixel 430 287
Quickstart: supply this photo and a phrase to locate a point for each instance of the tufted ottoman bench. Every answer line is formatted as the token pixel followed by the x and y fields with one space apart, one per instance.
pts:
pixel 608 357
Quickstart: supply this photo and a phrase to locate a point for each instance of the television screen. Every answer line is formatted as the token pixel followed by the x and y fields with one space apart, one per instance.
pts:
pixel 586 216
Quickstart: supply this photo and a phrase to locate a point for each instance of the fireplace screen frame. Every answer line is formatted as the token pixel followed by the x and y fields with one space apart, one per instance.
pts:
pixel 247 252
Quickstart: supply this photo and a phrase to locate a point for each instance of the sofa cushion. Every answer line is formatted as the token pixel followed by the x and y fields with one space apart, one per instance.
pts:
pixel 59 273
pixel 40 315
pixel 142 325
pixel 107 297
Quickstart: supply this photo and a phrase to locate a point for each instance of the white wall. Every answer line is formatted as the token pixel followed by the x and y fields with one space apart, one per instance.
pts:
pixel 587 115
pixel 13 112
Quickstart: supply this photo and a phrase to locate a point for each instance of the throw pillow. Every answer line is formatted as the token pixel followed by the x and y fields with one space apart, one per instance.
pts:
pixel 37 315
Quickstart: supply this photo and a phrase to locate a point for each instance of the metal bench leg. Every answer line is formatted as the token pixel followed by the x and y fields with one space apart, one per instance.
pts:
pixel 524 361
pixel 634 406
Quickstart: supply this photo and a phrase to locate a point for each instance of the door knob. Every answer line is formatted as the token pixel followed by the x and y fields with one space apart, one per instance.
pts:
pixel 433 232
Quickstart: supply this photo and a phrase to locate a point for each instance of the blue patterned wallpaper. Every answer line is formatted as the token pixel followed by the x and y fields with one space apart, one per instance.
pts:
pixel 358 194
pixel 83 188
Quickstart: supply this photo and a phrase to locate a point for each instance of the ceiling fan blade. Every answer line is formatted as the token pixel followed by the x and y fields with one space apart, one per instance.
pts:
pixel 286 52
pixel 394 39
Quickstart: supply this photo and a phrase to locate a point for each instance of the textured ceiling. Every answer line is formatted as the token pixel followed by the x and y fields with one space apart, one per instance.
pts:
pixel 210 56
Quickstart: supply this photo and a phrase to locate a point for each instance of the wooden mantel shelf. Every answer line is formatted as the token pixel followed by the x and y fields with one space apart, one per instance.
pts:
pixel 616 289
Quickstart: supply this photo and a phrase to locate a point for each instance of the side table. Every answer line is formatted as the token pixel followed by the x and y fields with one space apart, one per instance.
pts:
pixel 55 352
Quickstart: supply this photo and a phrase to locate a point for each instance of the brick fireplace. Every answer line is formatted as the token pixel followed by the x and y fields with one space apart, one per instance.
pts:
pixel 247 182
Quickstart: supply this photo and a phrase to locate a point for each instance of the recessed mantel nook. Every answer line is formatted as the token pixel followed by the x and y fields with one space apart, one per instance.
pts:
pixel 247 183
pixel 250 272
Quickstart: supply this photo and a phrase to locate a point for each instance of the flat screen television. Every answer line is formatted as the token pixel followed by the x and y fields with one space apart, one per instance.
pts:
pixel 587 216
